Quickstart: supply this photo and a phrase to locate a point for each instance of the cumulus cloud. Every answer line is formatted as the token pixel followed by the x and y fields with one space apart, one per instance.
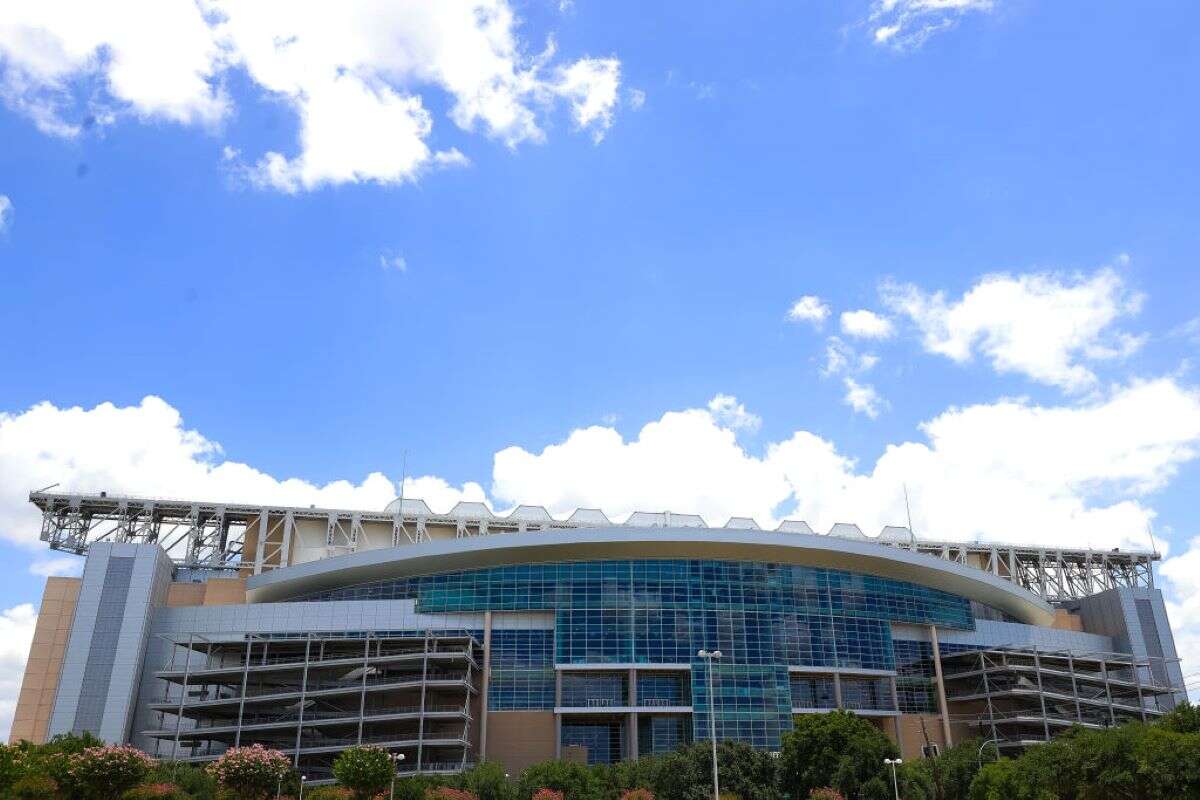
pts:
pixel 355 74
pixel 908 24
pixel 16 633
pixel 809 308
pixel 1077 474
pixel 145 449
pixel 393 262
pixel 862 397
pixel 6 212
pixel 865 324
pixel 729 413
pixel 1181 576
pixel 1043 325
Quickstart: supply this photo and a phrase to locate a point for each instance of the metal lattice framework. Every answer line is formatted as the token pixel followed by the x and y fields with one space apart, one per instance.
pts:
pixel 203 535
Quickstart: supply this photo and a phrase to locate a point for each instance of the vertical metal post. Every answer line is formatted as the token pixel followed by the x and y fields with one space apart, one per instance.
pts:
pixel 1137 677
pixel 1074 687
pixel 710 658
pixel 187 666
pixel 421 715
pixel 237 737
pixel 1037 668
pixel 362 696
pixel 1112 714
pixel 987 693
pixel 303 692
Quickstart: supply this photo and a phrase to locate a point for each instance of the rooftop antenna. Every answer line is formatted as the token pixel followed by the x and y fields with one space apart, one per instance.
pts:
pixel 908 513
pixel 1150 533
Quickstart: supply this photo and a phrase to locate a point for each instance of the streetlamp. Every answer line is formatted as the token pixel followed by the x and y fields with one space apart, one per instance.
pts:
pixel 979 756
pixel 710 656
pixel 396 759
pixel 303 779
pixel 893 763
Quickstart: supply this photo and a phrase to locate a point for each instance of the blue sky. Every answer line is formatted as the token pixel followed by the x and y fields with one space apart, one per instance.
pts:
pixel 601 235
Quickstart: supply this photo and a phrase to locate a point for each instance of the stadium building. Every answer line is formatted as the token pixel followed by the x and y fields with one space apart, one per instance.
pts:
pixel 463 636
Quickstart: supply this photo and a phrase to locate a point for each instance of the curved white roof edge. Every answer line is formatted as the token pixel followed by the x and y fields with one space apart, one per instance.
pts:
pixel 592 544
pixel 478 510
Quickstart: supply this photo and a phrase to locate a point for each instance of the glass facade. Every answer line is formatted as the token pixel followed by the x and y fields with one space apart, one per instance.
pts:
pixel 763 617
pixel 594 689
pixel 522 677
pixel 656 689
pixel 662 734
pixel 604 740
pixel 914 674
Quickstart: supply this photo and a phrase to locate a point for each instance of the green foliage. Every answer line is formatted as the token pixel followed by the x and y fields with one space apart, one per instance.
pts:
pixel 836 750
pixel 1184 719
pixel 487 781
pixel 155 791
pixel 686 773
pixel 34 787
pixel 365 770
pixel 327 793
pixel 414 787
pixel 195 782
pixel 575 781
pixel 448 793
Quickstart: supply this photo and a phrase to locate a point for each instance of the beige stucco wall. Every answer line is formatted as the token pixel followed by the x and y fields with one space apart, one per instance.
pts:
pixel 519 738
pixel 213 592
pixel 40 683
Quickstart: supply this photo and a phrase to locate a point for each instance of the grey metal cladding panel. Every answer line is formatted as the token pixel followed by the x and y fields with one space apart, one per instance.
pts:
pixel 992 633
pixel 106 630
pixel 305 617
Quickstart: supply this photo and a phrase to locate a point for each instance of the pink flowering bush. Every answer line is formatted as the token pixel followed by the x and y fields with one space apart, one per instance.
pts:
pixel 547 794
pixel 637 794
pixel 825 794
pixel 250 773
pixel 156 791
pixel 106 772
pixel 365 770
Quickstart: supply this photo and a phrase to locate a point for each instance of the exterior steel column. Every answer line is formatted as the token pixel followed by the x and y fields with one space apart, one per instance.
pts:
pixel 1074 687
pixel 187 666
pixel 421 714
pixel 1037 667
pixel 1112 715
pixel 303 692
pixel 362 692
pixel 484 681
pixel 632 721
pixel 941 686
pixel 557 716
pixel 837 689
pixel 1137 677
pixel 987 693
pixel 896 719
pixel 237 737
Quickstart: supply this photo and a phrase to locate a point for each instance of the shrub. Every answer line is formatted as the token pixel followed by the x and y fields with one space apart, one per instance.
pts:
pixel 365 771
pixel 825 793
pixel 637 794
pixel 250 773
pixel 448 793
pixel 156 791
pixel 106 772
pixel 34 787
pixel 547 794
pixel 327 793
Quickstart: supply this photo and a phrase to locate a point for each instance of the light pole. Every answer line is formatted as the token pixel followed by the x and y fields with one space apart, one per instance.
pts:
pixel 710 656
pixel 396 759
pixel 979 755
pixel 303 778
pixel 893 763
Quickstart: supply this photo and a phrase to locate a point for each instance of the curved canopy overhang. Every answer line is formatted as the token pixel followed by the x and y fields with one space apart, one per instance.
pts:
pixel 595 544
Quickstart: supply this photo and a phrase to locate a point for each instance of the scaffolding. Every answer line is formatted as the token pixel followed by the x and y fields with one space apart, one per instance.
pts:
pixel 1018 696
pixel 314 695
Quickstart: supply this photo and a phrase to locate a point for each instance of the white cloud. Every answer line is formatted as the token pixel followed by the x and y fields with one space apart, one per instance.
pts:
pixel 866 324
pixel 146 450
pixel 6 212
pixel 908 24
pixel 353 73
pixel 16 634
pixel 841 358
pixel 1041 325
pixel 636 99
pixel 729 413
pixel 393 262
pixel 1181 576
pixel 61 565
pixel 809 308
pixel 862 397
pixel 1011 471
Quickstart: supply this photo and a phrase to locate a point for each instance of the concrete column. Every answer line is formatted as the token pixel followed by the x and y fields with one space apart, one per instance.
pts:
pixel 941 685
pixel 484 683
pixel 632 721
